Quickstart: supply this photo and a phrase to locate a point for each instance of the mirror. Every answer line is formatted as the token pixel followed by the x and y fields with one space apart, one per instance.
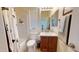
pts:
pixel 44 21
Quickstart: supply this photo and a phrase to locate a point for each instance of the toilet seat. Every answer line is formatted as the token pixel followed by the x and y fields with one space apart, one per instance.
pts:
pixel 31 46
pixel 31 43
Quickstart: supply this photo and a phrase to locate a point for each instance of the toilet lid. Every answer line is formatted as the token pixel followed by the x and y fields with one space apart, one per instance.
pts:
pixel 30 42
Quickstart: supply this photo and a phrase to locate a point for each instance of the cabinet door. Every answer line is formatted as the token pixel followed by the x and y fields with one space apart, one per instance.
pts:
pixel 52 44
pixel 44 43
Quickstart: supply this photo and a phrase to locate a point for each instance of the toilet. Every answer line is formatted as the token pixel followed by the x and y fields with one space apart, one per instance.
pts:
pixel 32 43
pixel 31 46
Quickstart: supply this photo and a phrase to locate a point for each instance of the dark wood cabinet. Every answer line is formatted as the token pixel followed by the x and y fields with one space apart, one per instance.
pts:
pixel 48 43
pixel 44 43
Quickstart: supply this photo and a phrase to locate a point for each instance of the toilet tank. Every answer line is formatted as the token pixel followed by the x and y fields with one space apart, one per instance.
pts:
pixel 34 36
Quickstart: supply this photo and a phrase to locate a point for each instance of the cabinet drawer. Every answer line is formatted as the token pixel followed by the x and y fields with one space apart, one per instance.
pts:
pixel 52 43
pixel 48 43
pixel 44 43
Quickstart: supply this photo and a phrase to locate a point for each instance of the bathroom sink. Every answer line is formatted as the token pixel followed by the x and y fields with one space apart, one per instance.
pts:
pixel 48 34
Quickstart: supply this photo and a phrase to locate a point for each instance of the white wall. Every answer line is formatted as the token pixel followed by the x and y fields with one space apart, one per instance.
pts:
pixel 27 15
pixel 22 27
pixel 3 40
pixel 34 20
pixel 61 46
pixel 74 31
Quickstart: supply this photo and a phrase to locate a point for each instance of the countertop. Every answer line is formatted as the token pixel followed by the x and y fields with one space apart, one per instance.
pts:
pixel 48 34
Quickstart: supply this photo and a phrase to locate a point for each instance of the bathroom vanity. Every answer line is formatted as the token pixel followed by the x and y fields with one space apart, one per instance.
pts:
pixel 48 42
